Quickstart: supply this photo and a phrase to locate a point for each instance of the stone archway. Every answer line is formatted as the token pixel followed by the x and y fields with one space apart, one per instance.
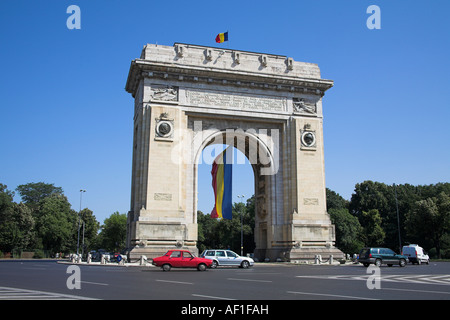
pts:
pixel 259 150
pixel 267 106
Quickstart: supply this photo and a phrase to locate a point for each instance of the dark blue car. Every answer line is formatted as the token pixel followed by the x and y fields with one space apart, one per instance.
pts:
pixel 379 256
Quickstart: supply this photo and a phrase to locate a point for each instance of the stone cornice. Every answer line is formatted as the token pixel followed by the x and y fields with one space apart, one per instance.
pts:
pixel 168 65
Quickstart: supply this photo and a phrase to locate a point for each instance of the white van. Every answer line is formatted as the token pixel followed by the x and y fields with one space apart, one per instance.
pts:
pixel 415 254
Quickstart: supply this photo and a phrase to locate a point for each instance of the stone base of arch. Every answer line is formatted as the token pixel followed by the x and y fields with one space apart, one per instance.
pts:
pixel 308 254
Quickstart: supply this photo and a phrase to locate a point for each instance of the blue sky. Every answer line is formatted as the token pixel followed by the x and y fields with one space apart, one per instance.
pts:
pixel 66 118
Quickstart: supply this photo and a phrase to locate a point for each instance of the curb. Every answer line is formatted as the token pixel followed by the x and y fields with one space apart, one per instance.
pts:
pixel 98 264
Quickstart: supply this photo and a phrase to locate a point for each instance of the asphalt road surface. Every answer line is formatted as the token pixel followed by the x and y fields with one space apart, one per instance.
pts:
pixel 47 280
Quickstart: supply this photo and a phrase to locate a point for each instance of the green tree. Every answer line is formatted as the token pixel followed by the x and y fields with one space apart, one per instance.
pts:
pixel 32 193
pixel 55 224
pixel 373 233
pixel 349 233
pixel 249 221
pixel 113 235
pixel 430 221
pixel 89 227
pixel 370 195
pixel 335 201
pixel 247 227
pixel 6 196
pixel 206 231
pixel 226 234
pixel 16 222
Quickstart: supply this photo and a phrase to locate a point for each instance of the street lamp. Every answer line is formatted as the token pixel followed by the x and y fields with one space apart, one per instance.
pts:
pixel 398 220
pixel 242 226
pixel 79 218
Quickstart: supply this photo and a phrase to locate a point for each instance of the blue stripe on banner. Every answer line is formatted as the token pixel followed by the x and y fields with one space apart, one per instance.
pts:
pixel 227 181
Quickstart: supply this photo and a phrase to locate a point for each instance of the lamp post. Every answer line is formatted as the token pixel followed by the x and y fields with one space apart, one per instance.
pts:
pixel 242 226
pixel 79 218
pixel 398 220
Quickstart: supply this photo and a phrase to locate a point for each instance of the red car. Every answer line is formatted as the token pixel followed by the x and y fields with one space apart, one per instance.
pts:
pixel 178 258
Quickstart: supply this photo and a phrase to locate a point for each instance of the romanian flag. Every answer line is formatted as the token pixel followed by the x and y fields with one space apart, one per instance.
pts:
pixel 221 182
pixel 221 37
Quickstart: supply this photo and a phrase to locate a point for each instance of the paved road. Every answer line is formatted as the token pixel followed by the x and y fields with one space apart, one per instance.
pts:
pixel 48 280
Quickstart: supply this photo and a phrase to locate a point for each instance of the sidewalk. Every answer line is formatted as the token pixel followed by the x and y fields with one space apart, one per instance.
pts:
pixel 108 264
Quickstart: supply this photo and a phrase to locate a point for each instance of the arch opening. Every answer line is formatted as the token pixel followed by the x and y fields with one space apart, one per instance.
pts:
pixel 248 150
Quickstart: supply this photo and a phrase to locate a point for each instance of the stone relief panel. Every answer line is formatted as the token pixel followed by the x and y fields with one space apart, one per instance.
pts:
pixel 163 93
pixel 305 106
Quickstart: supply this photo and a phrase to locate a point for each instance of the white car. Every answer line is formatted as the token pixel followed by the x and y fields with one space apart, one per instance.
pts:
pixel 415 254
pixel 226 258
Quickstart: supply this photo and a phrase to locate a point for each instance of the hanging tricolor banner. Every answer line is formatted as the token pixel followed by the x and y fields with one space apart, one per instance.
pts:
pixel 222 37
pixel 221 182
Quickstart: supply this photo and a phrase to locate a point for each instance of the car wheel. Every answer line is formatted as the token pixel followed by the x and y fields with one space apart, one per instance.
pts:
pixel 201 267
pixel 245 264
pixel 378 262
pixel 366 264
pixel 402 262
pixel 214 264
pixel 419 262
pixel 166 267
pixel 427 262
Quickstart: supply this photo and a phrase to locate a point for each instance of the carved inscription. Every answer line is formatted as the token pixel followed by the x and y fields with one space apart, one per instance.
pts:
pixel 235 101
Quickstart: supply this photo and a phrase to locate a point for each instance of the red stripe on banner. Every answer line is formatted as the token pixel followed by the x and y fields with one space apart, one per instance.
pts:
pixel 214 185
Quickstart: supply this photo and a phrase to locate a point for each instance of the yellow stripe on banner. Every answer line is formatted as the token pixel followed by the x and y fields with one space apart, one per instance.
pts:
pixel 222 37
pixel 220 189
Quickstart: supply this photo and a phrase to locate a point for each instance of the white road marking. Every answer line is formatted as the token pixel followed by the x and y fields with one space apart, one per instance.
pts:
pixel 211 297
pixel 7 293
pixel 96 283
pixel 250 280
pixel 329 295
pixel 425 291
pixel 178 282
pixel 418 279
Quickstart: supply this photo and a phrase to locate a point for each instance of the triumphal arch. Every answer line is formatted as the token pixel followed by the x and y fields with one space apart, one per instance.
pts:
pixel 268 106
